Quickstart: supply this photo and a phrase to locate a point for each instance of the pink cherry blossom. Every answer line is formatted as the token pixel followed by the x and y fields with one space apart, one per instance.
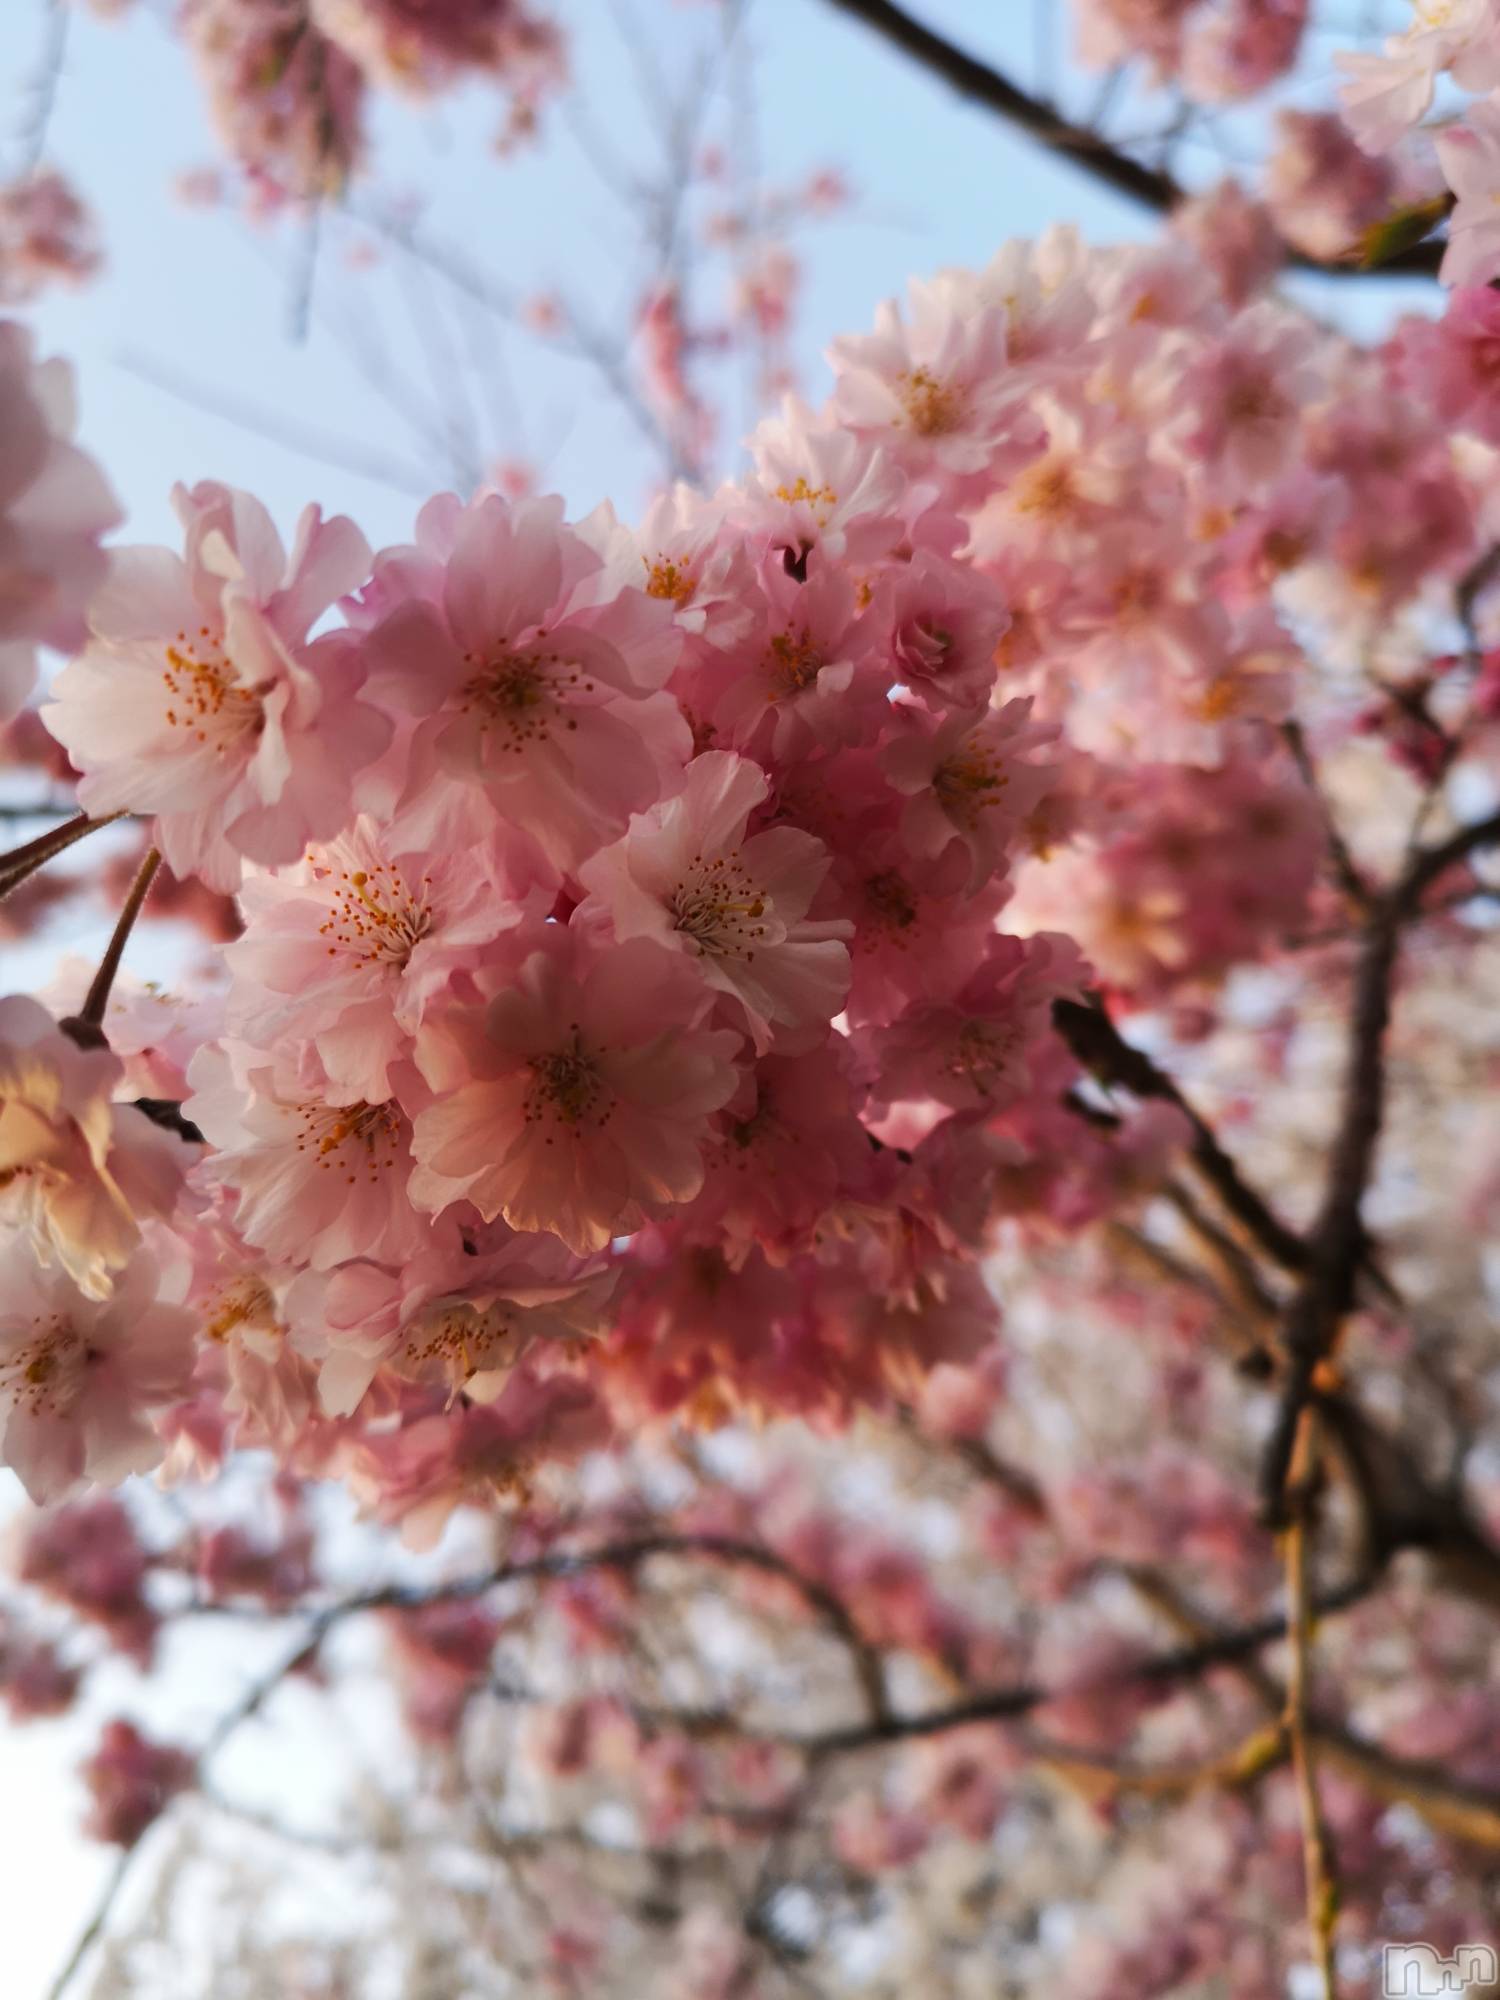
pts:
pixel 1241 48
pixel 937 392
pixel 348 949
pixel 809 672
pixel 417 1476
pixel 1469 153
pixel 199 699
pixel 131 1779
pixel 316 1180
pixel 524 683
pixel 1389 93
pixel 1323 190
pixel 1246 395
pixel 1460 367
pixel 80 1377
pixel 814 485
pixel 947 627
pixel 458 1315
pixel 46 235
pixel 970 1051
pixel 687 876
pixel 967 780
pixel 75 1169
pixel 577 1100
pixel 54 506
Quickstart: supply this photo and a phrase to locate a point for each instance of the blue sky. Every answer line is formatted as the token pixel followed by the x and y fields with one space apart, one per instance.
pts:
pixel 205 300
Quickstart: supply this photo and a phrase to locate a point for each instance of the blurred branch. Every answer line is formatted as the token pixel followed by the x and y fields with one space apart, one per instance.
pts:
pixel 91 1015
pixel 1151 187
pixel 24 861
pixel 347 455
pixel 1319 1872
pixel 40 809
pixel 1337 1246
pixel 93 1930
pixel 1104 1052
pixel 42 89
pixel 1350 880
pixel 1227 1648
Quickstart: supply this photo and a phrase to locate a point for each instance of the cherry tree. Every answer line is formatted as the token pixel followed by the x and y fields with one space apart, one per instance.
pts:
pixel 802 1279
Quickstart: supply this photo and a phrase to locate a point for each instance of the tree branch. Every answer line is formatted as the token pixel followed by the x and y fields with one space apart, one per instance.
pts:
pixel 1337 1246
pixel 24 861
pixel 1150 187
pixel 1102 1049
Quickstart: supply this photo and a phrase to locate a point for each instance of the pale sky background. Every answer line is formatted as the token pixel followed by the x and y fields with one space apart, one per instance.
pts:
pixel 200 297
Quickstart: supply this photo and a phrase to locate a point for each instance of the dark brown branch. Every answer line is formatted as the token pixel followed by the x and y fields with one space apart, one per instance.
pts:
pixel 559 1564
pixel 167 1112
pixel 1102 1049
pixel 1436 861
pixel 1345 868
pixel 1338 1236
pixel 1156 1670
pixel 1337 1246
pixel 24 861
pixel 91 1014
pixel 1151 187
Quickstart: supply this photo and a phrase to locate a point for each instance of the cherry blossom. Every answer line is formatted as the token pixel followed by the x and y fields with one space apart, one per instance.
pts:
pixel 199 699
pixel 54 507
pixel 1389 93
pixel 577 1099
pixel 80 1377
pixel 686 876
pixel 522 684
pixel 1470 155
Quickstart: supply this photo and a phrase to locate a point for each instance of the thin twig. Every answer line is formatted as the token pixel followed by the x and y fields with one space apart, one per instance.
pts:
pixel 326 447
pixel 24 861
pixel 44 88
pixel 1152 187
pixel 1351 881
pixel 94 1928
pixel 1104 1052
pixel 91 1014
pixel 1319 1871
pixel 1337 1249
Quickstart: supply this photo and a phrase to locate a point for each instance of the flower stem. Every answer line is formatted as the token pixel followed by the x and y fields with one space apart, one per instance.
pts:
pixel 91 1015
pixel 34 854
pixel 1320 1874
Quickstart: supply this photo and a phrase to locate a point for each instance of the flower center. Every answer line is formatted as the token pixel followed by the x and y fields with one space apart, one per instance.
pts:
pixel 794 664
pixel 203 693
pixel 520 695
pixel 664 578
pixel 376 917
pixel 718 906
pixel 981 1054
pixel 1254 400
pixel 821 500
pixel 968 781
pixel 351 1138
pixel 1046 489
pixel 567 1088
pixel 932 408
pixel 244 1302
pixel 891 902
pixel 44 1374
pixel 461 1340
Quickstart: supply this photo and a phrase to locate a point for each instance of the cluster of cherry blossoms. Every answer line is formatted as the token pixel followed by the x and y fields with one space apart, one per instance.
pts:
pixel 635 1013
pixel 288 81
pixel 1387 95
